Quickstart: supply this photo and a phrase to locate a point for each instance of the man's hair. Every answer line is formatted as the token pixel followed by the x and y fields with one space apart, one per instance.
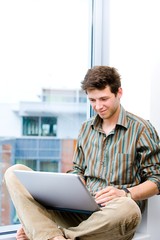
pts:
pixel 100 77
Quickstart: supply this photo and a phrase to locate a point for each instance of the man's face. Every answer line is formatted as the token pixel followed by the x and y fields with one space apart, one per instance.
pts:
pixel 104 102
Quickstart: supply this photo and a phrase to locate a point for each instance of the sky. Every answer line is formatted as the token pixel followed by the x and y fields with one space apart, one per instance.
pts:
pixel 43 44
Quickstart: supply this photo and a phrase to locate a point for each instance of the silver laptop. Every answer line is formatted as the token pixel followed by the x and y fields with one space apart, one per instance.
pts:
pixel 61 191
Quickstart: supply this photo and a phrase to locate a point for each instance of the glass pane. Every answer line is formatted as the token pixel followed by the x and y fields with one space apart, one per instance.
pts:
pixel 48 166
pixel 48 126
pixel 44 57
pixel 30 163
pixel 30 126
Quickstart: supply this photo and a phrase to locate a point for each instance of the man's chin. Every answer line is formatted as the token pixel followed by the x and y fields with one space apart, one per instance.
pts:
pixel 103 116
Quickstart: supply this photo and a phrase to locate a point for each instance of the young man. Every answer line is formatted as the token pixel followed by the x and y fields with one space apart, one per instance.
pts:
pixel 118 159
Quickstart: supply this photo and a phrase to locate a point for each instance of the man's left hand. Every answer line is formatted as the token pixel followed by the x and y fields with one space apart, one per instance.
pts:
pixel 107 194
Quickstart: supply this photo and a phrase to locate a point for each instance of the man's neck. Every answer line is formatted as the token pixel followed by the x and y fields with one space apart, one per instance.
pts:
pixel 109 124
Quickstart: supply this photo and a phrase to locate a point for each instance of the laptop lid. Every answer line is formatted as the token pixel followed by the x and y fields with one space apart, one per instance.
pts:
pixel 61 191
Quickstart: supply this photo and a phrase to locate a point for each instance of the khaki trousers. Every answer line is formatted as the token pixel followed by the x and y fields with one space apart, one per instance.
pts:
pixel 117 221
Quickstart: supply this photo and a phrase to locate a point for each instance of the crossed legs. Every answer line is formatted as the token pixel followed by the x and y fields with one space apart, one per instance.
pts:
pixel 118 220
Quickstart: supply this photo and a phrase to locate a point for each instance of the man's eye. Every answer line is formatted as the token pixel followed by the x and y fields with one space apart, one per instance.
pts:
pixel 104 99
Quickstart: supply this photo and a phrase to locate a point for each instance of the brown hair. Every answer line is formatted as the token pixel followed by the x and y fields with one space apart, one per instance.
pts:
pixel 99 77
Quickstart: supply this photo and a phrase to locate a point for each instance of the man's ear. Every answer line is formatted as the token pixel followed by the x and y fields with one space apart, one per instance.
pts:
pixel 120 92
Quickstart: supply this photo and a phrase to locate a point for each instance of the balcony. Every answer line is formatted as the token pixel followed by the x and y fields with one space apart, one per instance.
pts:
pixel 49 109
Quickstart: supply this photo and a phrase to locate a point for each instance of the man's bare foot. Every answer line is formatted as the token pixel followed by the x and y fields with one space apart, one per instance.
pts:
pixel 21 234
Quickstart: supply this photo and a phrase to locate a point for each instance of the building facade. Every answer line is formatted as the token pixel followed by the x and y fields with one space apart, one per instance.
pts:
pixel 43 138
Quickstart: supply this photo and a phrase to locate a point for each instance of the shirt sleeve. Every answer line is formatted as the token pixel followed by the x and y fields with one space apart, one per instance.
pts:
pixel 78 160
pixel 149 151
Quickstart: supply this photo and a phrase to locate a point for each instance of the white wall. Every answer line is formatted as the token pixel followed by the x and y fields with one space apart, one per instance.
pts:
pixel 10 124
pixel 69 125
pixel 131 43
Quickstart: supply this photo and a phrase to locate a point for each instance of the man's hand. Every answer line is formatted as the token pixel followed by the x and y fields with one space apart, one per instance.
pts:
pixel 21 235
pixel 105 195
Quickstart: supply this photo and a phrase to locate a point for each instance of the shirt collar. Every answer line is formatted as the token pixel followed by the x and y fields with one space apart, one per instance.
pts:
pixel 122 120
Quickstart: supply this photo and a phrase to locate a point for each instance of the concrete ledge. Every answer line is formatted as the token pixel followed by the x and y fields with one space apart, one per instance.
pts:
pixel 141 236
pixel 9 233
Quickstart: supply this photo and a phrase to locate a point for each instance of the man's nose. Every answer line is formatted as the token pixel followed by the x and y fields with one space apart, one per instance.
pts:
pixel 98 105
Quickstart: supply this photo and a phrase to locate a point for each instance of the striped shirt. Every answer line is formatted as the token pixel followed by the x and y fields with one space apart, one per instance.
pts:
pixel 126 157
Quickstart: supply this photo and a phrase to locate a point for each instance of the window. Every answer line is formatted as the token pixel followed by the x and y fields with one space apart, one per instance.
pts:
pixel 44 57
pixel 48 126
pixel 39 126
pixel 30 126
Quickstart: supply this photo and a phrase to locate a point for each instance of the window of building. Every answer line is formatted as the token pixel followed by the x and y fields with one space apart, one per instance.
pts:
pixel 40 165
pixel 30 126
pixel 48 126
pixel 39 126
